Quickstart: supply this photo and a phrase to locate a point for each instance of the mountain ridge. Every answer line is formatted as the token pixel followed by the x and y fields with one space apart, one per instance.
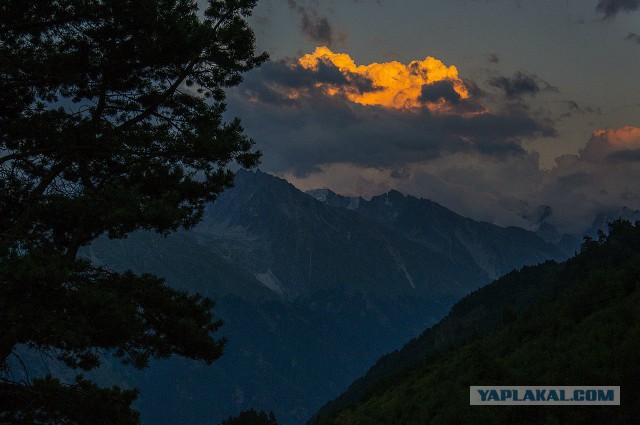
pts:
pixel 308 292
pixel 405 214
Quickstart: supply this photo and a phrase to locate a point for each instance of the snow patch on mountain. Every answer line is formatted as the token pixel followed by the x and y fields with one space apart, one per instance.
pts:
pixel 326 196
pixel 269 280
pixel 403 268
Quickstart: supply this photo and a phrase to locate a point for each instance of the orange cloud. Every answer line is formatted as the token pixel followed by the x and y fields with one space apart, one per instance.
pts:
pixel 623 137
pixel 611 141
pixel 394 85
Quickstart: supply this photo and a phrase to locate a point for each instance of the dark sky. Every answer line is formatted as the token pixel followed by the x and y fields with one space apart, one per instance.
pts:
pixel 490 107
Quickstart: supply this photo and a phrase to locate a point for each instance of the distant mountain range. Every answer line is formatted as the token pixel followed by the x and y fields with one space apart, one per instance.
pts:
pixel 493 249
pixel 313 288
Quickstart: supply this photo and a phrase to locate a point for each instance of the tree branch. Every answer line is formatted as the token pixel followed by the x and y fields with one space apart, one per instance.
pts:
pixel 54 172
pixel 185 73
pixel 22 155
pixel 167 94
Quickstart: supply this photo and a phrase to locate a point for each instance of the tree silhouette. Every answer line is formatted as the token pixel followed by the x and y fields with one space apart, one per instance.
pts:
pixel 110 121
pixel 251 417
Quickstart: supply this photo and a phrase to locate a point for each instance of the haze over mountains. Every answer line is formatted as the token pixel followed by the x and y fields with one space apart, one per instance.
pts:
pixel 312 289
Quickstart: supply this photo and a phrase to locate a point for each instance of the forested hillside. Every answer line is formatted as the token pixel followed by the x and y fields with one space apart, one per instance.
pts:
pixel 588 334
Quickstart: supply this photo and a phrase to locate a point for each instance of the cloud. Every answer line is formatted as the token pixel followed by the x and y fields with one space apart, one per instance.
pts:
pixel 312 122
pixel 626 155
pixel 316 28
pixel 574 107
pixel 633 37
pixel 612 143
pixel 396 85
pixel 282 82
pixel 467 182
pixel 602 177
pixel 493 58
pixel 611 7
pixel 520 84
pixel 627 136
pixel 442 90
pixel 328 122
pixel 324 109
pixel 513 190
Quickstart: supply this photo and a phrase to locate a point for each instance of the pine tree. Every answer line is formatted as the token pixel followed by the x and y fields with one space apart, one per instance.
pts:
pixel 110 121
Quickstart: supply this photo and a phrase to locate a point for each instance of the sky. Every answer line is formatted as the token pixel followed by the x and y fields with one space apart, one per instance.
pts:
pixel 515 112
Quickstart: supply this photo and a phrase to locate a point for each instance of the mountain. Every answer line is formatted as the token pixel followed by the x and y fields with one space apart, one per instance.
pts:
pixel 301 247
pixel 575 323
pixel 600 222
pixel 311 293
pixel 496 250
pixel 478 313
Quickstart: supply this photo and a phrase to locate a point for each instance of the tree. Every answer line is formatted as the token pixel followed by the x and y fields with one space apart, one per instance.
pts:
pixel 110 121
pixel 251 417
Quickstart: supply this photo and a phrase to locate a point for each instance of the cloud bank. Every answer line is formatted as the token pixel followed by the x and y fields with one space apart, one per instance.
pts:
pixel 323 108
pixel 393 84
pixel 601 178
pixel 362 129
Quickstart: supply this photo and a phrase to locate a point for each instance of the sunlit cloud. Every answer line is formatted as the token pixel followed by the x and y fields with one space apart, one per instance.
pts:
pixel 323 108
pixel 618 144
pixel 393 84
pixel 623 137
pixel 482 131
pixel 325 121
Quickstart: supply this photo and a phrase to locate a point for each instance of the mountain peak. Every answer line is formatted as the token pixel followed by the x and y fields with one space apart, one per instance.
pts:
pixel 322 195
pixel 394 194
pixel 328 197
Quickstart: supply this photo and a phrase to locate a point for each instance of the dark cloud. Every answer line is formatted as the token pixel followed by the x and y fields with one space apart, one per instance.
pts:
pixel 281 84
pixel 444 91
pixel 473 89
pixel 574 107
pixel 315 27
pixel 327 72
pixel 627 155
pixel 572 181
pixel 519 85
pixel 633 37
pixel 440 90
pixel 511 191
pixel 611 7
pixel 474 163
pixel 300 127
